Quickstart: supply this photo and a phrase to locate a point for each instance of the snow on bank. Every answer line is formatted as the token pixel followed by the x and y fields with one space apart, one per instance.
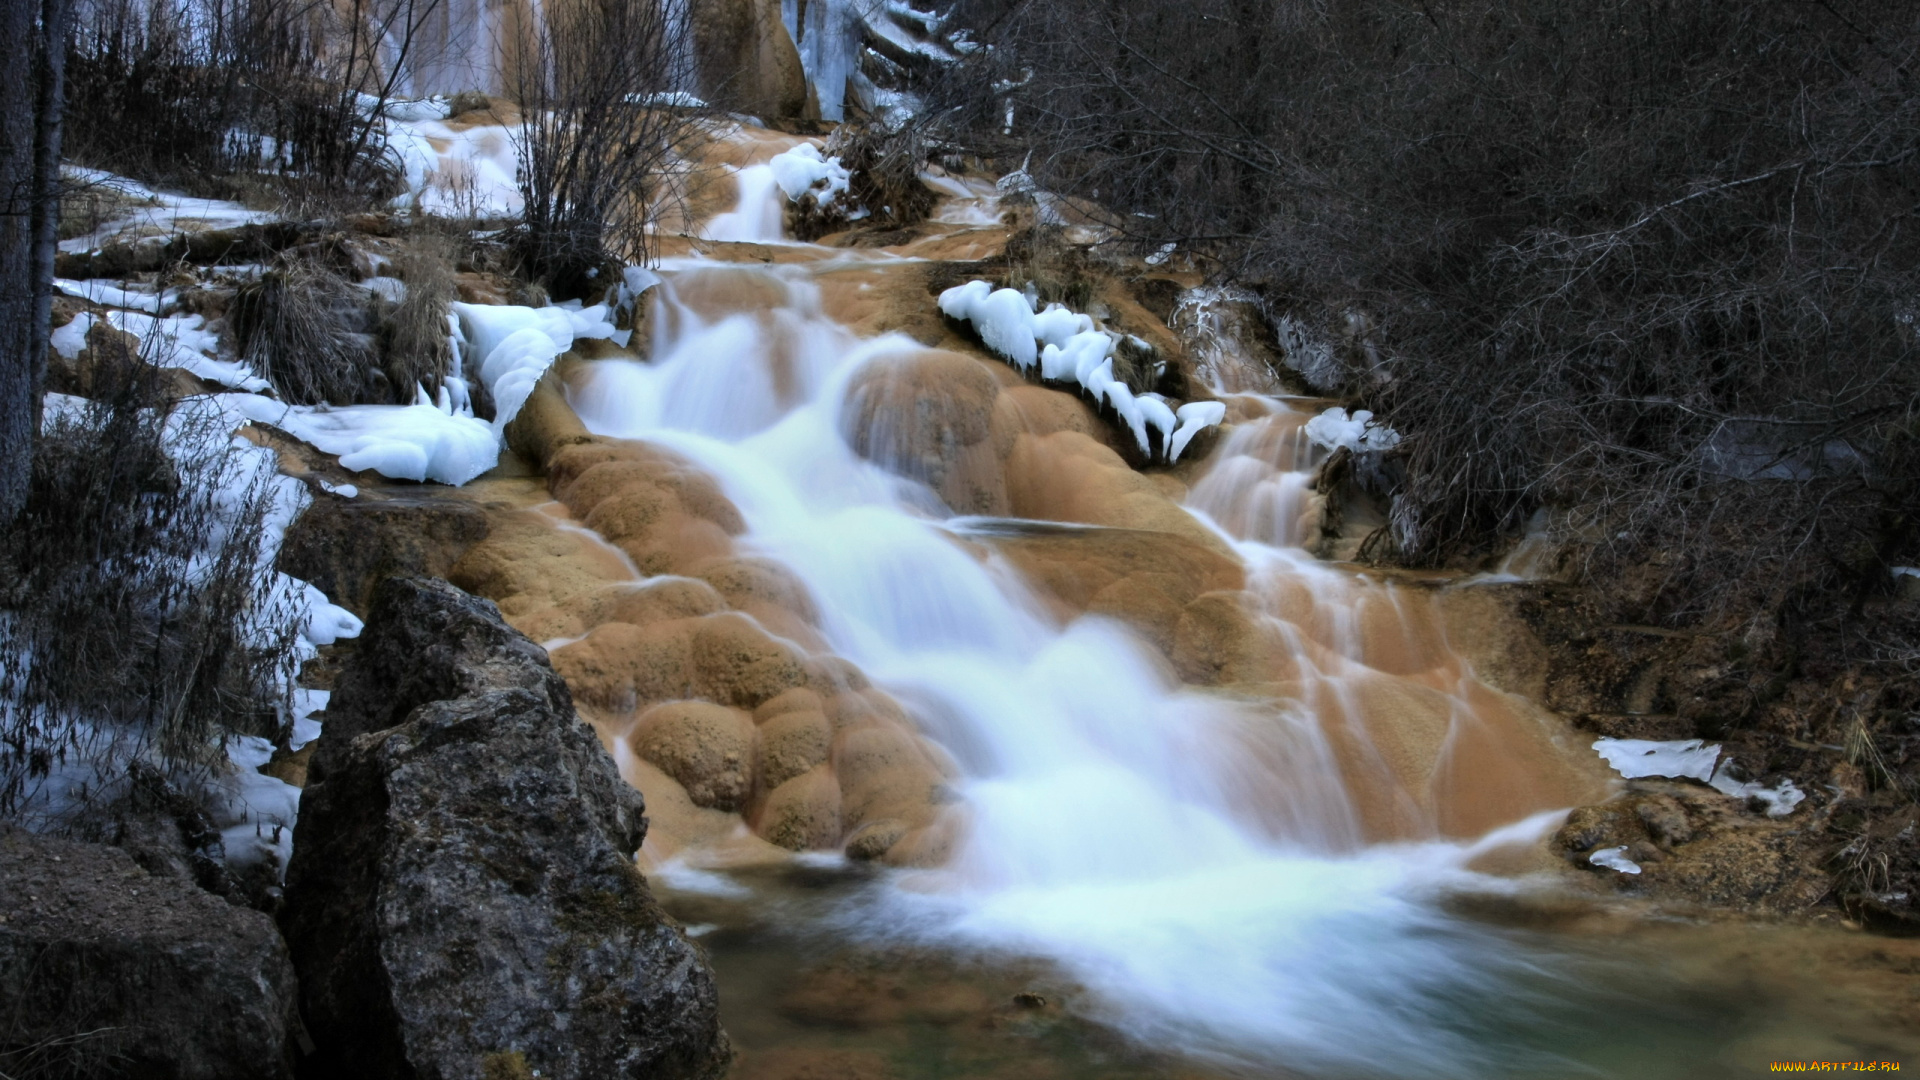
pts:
pixel 157 214
pixel 248 500
pixel 440 439
pixel 428 440
pixel 1069 347
pixel 1691 759
pixel 181 341
pixel 469 172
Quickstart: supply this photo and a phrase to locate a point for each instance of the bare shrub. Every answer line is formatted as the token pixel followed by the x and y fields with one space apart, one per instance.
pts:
pixel 1644 261
pixel 417 352
pixel 137 619
pixel 260 99
pixel 885 166
pixel 303 328
pixel 600 131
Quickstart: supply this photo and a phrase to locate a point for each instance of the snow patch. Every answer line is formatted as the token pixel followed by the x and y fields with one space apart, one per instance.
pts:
pixel 254 812
pixel 70 339
pixel 183 341
pixel 111 293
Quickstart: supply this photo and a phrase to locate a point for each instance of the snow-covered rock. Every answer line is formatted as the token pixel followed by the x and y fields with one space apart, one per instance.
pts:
pixel 1069 347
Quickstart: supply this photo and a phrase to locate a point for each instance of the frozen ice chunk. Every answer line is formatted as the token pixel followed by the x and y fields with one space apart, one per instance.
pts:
pixel 1158 415
pixel 1680 758
pixel 1360 432
pixel 1127 407
pixel 803 169
pixel 1614 858
pixel 1779 799
pixel 1005 322
pixel 1690 759
pixel 305 704
pixel 1194 416
pixel 406 442
pixel 961 301
pixel 327 622
pixel 511 347
pixel 1056 325
pixel 1084 352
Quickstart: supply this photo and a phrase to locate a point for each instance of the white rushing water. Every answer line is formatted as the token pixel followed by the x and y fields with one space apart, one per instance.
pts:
pixel 1213 899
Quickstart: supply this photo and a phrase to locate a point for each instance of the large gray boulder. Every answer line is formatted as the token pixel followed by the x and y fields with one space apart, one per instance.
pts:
pixel 462 900
pixel 107 970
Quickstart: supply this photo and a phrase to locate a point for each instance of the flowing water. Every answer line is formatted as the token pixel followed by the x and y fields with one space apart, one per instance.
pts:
pixel 1275 881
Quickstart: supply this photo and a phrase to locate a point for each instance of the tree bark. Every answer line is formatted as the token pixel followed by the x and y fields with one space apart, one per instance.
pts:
pixel 49 105
pixel 17 19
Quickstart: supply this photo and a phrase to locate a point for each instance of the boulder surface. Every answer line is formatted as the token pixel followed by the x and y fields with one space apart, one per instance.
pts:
pixel 106 970
pixel 462 900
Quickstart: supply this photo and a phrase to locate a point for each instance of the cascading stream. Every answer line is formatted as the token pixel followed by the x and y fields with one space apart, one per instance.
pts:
pixel 1200 861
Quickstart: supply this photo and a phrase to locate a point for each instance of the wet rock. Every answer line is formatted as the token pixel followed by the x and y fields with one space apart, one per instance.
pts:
pixel 740 664
pixel 1217 643
pixel 1145 579
pixel 668 516
pixel 1607 825
pixel 803 813
pixel 791 744
pixel 462 896
pixel 345 547
pixel 885 773
pixel 927 416
pixel 170 980
pixel 874 839
pixel 633 603
pixel 1665 820
pixel 746 59
pixel 1068 476
pixel 707 748
pixel 798 699
pixel 623 668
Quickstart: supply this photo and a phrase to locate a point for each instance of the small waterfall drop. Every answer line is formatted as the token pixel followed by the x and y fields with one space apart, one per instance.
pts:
pixel 1208 864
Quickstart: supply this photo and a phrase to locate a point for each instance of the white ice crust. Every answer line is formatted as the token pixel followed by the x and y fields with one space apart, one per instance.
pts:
pixel 1069 347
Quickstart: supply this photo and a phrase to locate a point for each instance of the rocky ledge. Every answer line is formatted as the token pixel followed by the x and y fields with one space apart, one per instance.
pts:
pixel 462 900
pixel 107 970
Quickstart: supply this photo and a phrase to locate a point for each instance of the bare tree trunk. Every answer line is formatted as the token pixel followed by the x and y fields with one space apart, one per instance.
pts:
pixel 18 404
pixel 49 104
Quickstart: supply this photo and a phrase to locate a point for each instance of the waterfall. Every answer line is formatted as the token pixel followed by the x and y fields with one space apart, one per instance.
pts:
pixel 1204 862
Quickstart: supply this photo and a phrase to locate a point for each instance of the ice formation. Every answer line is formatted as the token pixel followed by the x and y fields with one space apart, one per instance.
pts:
pixel 511 347
pixel 804 171
pixel 1682 758
pixel 1614 858
pixel 428 440
pixel 1360 432
pixel 1691 759
pixel 1069 347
